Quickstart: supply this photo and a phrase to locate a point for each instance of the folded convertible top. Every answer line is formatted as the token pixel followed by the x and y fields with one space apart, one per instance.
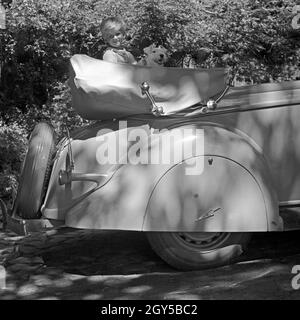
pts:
pixel 105 90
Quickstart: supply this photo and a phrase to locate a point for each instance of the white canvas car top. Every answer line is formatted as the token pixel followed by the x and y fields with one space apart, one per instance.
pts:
pixel 105 90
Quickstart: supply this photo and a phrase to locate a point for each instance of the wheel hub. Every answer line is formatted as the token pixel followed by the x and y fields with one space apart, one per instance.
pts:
pixel 203 240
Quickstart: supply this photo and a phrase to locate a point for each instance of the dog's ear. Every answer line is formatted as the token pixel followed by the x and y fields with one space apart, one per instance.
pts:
pixel 163 49
pixel 148 50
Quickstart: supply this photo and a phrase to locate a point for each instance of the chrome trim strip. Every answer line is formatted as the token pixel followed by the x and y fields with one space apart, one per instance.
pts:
pixel 227 110
pixel 289 204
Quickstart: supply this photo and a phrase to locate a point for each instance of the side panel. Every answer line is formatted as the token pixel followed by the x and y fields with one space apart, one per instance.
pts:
pixel 88 146
pixel 277 132
pixel 152 197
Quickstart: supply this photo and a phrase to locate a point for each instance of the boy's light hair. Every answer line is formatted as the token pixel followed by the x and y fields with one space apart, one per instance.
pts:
pixel 112 24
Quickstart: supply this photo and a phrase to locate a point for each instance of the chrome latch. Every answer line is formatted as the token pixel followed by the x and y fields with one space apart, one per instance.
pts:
pixel 156 110
pixel 210 105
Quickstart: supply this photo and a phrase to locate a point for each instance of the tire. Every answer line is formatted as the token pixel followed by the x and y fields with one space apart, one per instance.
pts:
pixel 198 250
pixel 3 215
pixel 35 172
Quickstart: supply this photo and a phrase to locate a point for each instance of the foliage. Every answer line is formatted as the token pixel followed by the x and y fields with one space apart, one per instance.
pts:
pixel 13 145
pixel 253 38
pixel 256 38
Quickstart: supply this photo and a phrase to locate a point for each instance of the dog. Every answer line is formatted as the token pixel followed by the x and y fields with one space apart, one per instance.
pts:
pixel 154 56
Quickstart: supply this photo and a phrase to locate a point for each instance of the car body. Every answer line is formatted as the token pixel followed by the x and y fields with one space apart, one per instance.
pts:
pixel 238 171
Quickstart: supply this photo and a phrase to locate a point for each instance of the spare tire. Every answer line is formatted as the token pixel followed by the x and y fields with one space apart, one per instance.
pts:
pixel 3 215
pixel 35 172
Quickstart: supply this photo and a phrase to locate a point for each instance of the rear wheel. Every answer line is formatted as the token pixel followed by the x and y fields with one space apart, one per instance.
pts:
pixel 198 250
pixel 35 172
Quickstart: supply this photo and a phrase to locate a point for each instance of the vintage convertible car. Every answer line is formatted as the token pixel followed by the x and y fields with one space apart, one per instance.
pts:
pixel 176 153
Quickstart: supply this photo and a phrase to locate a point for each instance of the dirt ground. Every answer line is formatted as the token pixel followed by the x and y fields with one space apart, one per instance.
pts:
pixel 76 264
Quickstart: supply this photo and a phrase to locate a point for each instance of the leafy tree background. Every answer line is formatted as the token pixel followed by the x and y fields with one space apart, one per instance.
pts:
pixel 254 38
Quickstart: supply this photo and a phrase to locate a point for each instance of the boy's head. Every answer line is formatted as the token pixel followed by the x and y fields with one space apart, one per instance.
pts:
pixel 113 31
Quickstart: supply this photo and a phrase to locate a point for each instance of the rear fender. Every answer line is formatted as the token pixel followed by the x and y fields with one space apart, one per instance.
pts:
pixel 233 193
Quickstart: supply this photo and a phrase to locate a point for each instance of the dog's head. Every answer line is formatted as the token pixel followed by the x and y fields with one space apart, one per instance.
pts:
pixel 156 55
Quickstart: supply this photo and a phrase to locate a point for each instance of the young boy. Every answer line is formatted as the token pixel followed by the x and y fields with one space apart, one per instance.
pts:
pixel 113 31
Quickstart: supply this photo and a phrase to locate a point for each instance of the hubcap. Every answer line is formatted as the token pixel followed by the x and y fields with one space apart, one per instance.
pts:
pixel 203 240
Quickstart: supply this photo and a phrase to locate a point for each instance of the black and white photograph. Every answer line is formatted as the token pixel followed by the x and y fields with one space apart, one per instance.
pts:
pixel 149 151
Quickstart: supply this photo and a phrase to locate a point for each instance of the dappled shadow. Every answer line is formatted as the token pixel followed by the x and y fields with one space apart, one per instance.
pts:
pixel 107 253
pixel 273 245
pixel 122 203
pixel 117 252
pixel 121 265
pixel 274 129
